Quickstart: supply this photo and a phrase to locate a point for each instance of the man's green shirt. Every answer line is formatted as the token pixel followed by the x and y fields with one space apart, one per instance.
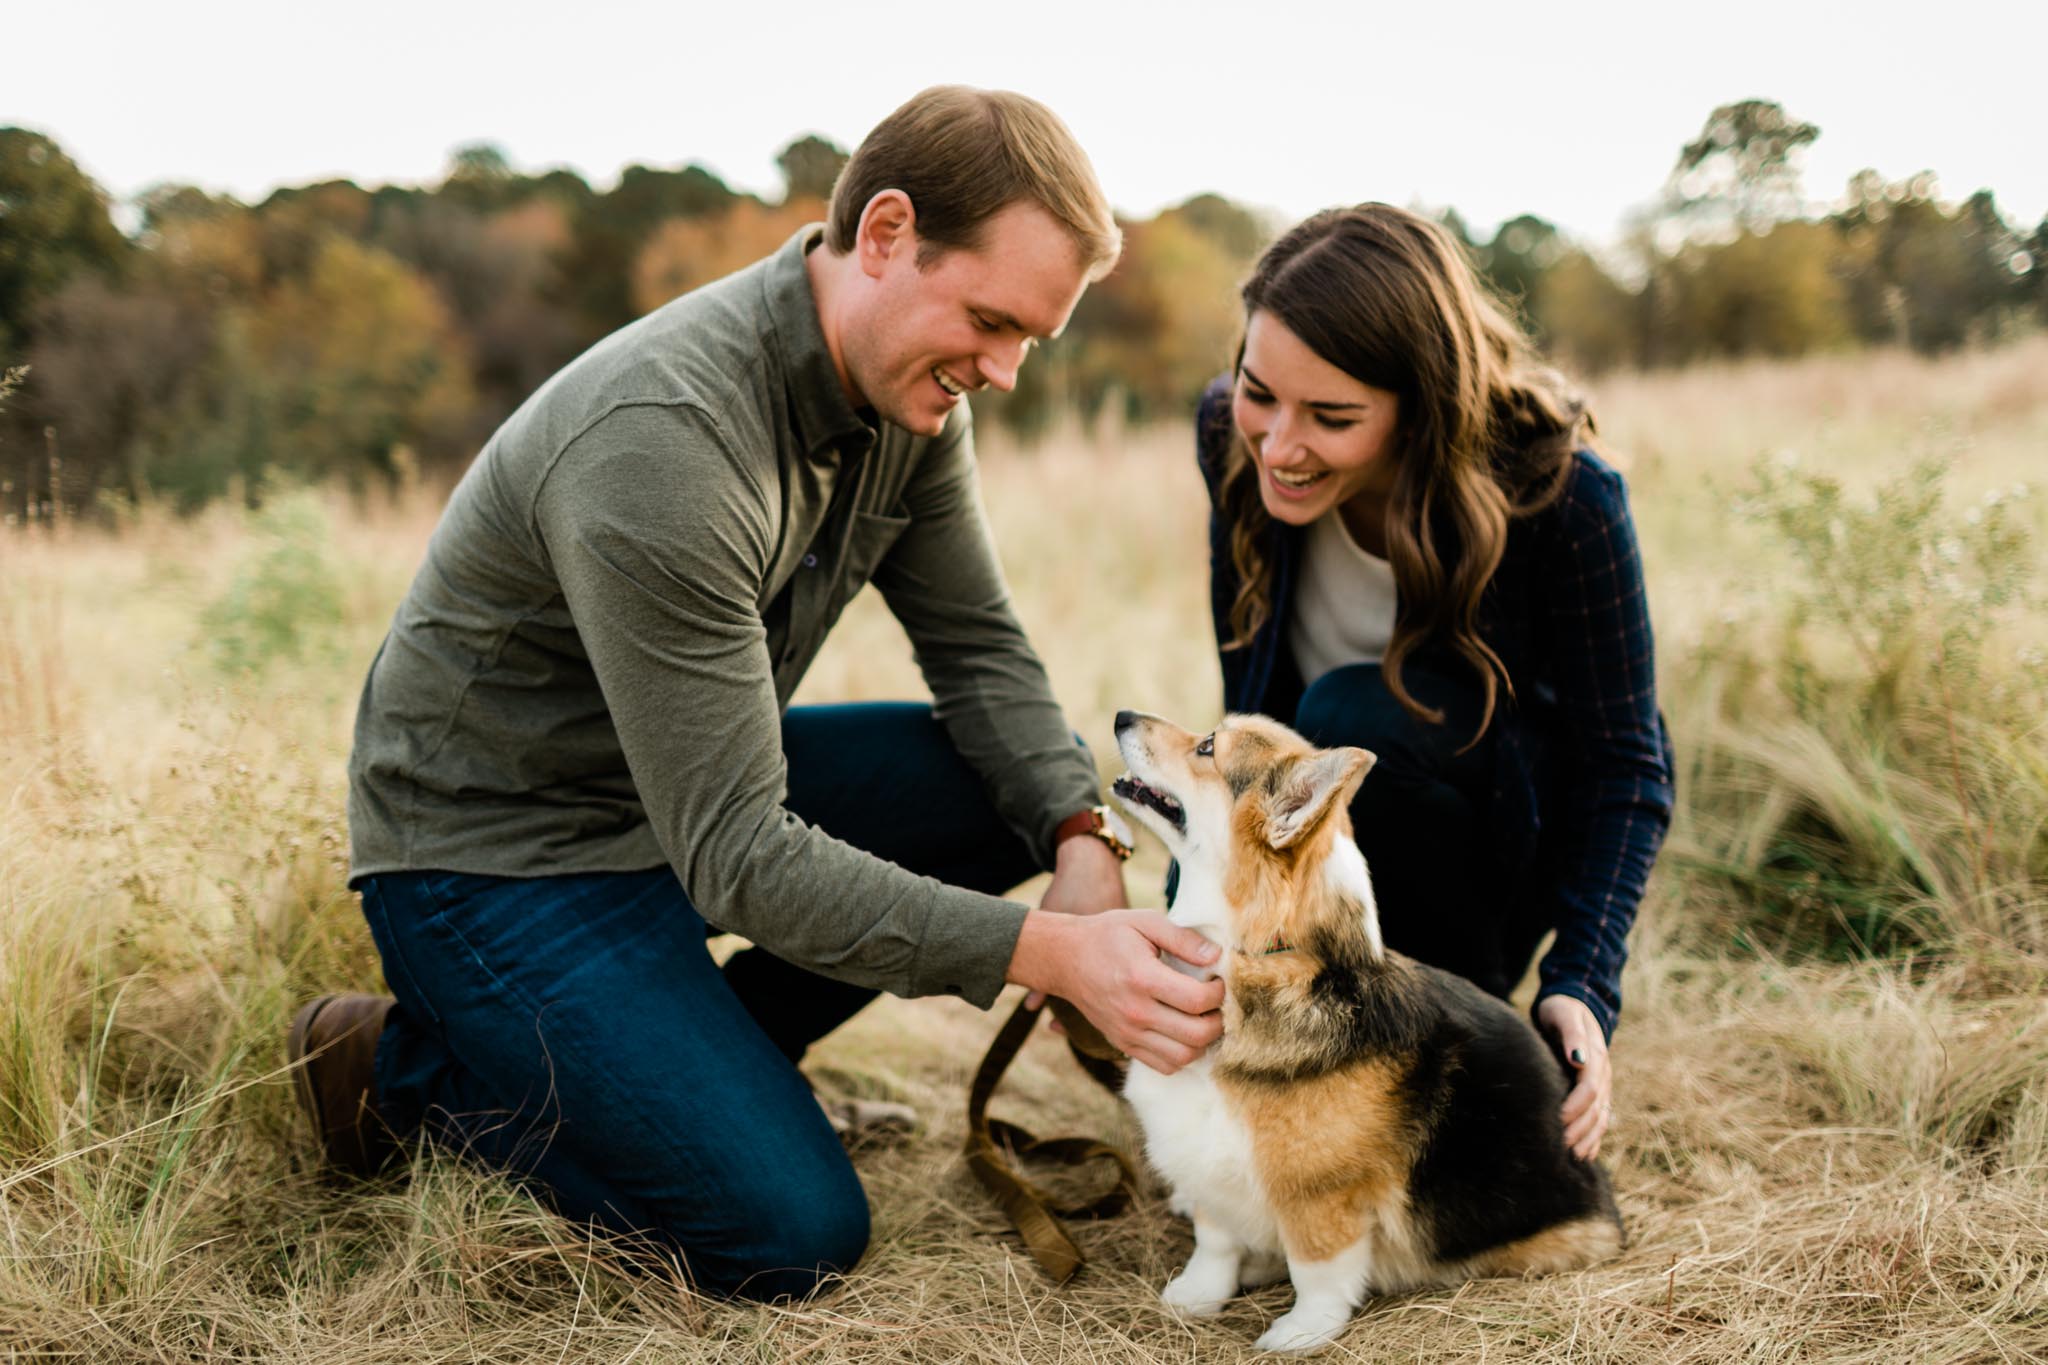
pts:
pixel 589 671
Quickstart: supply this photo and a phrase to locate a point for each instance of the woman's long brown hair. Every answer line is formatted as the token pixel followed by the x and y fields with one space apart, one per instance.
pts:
pixel 1483 433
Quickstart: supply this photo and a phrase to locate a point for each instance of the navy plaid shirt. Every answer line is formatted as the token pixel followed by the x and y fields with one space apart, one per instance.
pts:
pixel 1583 764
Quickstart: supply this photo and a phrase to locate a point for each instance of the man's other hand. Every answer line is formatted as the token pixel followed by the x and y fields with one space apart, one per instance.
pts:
pixel 1086 878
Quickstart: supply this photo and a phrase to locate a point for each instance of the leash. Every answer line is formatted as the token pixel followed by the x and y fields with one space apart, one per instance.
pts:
pixel 994 1146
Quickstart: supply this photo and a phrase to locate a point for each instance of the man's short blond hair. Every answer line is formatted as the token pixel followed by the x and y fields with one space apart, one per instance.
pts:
pixel 962 156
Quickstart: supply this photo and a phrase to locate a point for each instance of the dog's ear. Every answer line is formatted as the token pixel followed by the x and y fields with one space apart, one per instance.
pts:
pixel 1313 785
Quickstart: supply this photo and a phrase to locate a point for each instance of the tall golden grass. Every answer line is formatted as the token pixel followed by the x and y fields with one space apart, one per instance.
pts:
pixel 1831 1142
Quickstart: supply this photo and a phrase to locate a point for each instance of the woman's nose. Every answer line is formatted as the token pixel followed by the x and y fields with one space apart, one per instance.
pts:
pixel 1281 443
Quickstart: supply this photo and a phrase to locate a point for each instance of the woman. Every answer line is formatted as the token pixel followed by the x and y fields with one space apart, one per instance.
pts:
pixel 1412 550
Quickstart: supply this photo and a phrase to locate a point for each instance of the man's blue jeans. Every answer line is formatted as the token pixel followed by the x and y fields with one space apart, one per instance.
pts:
pixel 574 1030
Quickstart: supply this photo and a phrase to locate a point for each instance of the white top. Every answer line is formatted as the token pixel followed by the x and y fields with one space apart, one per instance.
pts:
pixel 1343 602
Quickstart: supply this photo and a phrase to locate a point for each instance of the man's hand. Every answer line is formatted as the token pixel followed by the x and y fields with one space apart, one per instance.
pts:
pixel 1107 965
pixel 1589 1106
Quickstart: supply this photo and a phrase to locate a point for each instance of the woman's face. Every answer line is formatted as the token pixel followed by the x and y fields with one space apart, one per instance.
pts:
pixel 1319 437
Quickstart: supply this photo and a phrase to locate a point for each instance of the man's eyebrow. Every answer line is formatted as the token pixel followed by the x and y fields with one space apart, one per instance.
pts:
pixel 1318 405
pixel 1002 319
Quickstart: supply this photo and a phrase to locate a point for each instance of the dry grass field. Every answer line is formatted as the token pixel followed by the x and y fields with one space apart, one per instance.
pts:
pixel 1831 1140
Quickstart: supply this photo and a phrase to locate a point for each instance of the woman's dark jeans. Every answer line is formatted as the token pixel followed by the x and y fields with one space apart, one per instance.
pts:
pixel 575 1030
pixel 1421 816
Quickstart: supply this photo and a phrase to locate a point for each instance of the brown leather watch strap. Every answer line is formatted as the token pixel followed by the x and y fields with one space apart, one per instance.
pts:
pixel 994 1146
pixel 1080 822
pixel 1093 821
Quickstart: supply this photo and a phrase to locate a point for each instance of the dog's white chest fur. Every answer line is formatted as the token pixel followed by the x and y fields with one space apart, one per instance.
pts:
pixel 1193 1138
pixel 1202 1149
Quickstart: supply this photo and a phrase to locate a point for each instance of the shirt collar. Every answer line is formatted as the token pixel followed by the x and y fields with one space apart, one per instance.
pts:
pixel 824 416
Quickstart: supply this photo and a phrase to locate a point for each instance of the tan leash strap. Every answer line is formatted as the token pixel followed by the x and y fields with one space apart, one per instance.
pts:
pixel 1090 1048
pixel 994 1145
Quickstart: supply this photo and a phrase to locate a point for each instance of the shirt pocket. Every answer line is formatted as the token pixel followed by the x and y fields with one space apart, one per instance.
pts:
pixel 868 542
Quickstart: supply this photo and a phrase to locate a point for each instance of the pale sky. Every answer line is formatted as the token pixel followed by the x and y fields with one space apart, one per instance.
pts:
pixel 1571 111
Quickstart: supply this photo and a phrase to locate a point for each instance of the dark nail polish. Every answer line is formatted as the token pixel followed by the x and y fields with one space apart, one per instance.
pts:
pixel 1578 1056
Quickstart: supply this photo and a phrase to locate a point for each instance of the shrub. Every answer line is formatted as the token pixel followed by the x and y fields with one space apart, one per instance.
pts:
pixel 1868 772
pixel 285 601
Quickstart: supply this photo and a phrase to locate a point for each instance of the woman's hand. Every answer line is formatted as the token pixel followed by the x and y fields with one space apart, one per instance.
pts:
pixel 1590 1105
pixel 1107 966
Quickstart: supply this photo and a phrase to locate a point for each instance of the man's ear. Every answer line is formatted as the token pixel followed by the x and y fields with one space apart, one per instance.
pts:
pixel 888 229
pixel 1312 787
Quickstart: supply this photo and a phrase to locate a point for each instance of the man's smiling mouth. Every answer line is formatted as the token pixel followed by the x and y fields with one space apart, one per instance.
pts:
pixel 947 382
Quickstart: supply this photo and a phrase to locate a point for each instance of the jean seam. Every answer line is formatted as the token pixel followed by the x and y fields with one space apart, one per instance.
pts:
pixel 398 958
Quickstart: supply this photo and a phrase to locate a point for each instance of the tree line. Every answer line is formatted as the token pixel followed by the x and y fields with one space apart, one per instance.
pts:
pixel 338 331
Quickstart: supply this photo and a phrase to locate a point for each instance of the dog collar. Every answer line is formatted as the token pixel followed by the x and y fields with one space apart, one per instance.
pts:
pixel 1279 943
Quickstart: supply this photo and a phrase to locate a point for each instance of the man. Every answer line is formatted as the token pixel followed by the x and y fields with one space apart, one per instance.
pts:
pixel 573 759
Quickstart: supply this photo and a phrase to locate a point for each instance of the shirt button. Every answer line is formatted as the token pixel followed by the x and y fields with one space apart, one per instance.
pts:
pixel 810 561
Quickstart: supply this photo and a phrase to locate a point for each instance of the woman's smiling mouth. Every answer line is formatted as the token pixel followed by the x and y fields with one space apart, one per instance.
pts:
pixel 1295 483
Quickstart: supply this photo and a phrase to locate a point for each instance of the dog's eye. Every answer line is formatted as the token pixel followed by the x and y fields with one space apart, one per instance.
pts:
pixel 1207 748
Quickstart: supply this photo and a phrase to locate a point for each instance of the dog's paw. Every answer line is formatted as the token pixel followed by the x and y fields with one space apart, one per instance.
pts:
pixel 1303 1330
pixel 1262 1268
pixel 1195 1296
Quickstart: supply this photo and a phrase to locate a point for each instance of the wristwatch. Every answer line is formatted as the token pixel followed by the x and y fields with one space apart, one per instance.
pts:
pixel 1102 822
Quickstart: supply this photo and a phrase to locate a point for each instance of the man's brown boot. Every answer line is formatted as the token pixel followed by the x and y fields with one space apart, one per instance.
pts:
pixel 332 1048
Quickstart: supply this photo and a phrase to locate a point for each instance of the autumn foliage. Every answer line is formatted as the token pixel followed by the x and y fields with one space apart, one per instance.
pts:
pixel 339 332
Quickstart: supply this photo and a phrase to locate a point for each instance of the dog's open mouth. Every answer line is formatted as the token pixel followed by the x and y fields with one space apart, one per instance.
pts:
pixel 1130 789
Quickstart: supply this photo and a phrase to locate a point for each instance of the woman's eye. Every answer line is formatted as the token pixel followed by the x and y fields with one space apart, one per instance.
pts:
pixel 1207 747
pixel 1254 396
pixel 1335 423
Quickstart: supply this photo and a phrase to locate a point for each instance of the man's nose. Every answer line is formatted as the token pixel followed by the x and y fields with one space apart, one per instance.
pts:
pixel 999 365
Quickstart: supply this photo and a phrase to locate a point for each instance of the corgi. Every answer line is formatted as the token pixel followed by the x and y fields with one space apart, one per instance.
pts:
pixel 1367 1124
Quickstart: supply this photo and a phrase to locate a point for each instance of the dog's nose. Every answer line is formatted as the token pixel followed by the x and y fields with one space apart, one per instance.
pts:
pixel 1125 720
